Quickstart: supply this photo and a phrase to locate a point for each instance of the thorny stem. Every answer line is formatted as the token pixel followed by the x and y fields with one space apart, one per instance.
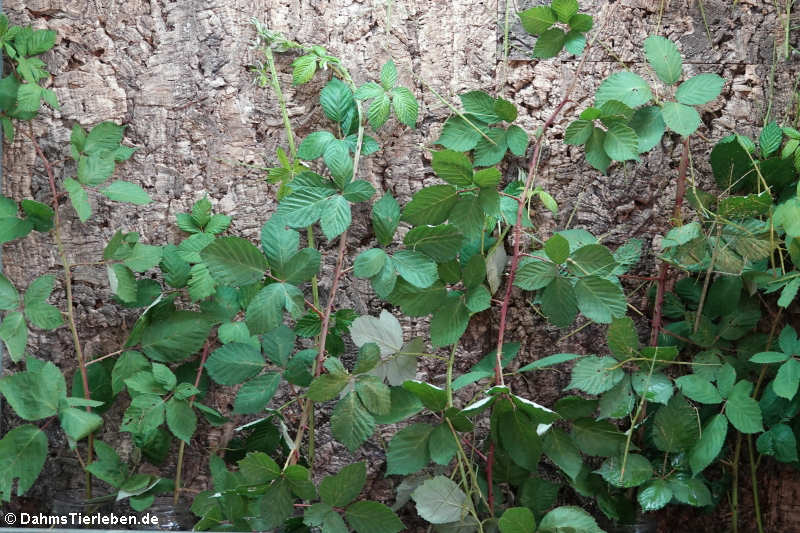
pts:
pixel 754 480
pixel 515 258
pixel 202 364
pixel 489 478
pixel 68 288
pixel 677 216
pixel 307 417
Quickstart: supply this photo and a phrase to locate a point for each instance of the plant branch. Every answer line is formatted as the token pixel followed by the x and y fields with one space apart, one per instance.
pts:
pixel 182 445
pixel 68 289
pixel 515 258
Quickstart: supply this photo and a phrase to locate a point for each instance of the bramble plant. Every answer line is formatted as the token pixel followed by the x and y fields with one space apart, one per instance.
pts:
pixel 669 416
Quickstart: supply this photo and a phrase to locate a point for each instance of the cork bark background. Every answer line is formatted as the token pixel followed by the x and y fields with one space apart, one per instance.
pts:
pixel 176 73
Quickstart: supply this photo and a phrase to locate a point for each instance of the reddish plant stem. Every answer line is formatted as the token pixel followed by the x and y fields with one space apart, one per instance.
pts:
pixel 677 218
pixel 326 319
pixel 515 258
pixel 466 441
pixel 489 481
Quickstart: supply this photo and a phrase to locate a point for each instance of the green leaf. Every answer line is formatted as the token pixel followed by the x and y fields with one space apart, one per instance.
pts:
pixel 568 519
pixel 304 69
pixel 575 42
pixel 122 282
pixel 786 381
pixel 265 311
pixel 440 501
pixel 621 142
pixel 581 22
pixel 144 415
pixel 388 75
pixel 405 106
pixel 107 466
pixel 233 363
pixel 24 451
pixel 441 243
pixel 458 135
pixel 698 389
pixel 415 267
pixel 595 153
pixel 517 141
pixel 534 274
pixel 699 90
pixel 599 299
pixel 648 124
pixel 175 337
pixel 340 164
pixel 617 402
pixel 35 393
pixel 313 146
pixel 217 224
pixel 675 426
pixel 342 488
pixel 14 333
pixel 592 260
pixel 549 43
pixel 680 118
pixel 623 341
pixel 125 191
pixel 598 438
pixel 259 468
pixel 351 423
pixel 369 263
pixel 41 215
pixel 431 396
pixel 374 395
pixel 559 302
pixel 595 375
pixel 304 206
pixel 372 517
pixel 385 217
pixel 712 438
pixel 442 445
pixel 181 419
pixel 449 321
pixel 143 257
pixel 664 57
pixel 519 437
pixel 327 386
pixel 578 132
pixel 256 393
pixel 408 450
pixel 560 448
pixel 490 153
pixel 658 387
pixel 323 515
pixel 770 139
pixel 626 87
pixel 538 19
pixel 336 100
pixel 480 105
pixel 692 491
pixel 637 471
pixel 557 249
pixel 234 261
pixel 743 411
pixel 779 442
pixel 358 191
pixel 654 495
pixel 453 167
pixel 565 9
pixel 336 217
pixel 505 110
pixel 128 364
pixel 517 520
pixel 378 111
pixel 78 198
